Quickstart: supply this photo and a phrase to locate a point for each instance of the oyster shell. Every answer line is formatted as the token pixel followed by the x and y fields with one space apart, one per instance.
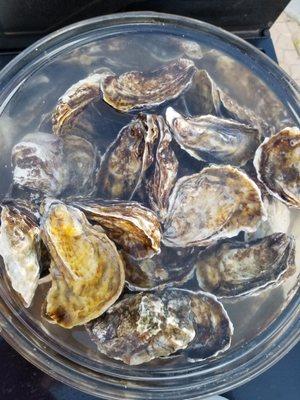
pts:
pixel 133 90
pixel 165 171
pixel 87 272
pixel 38 163
pixel 239 268
pixel 134 227
pixel 218 202
pixel 19 248
pixel 127 159
pixel 76 98
pixel 146 326
pixel 277 163
pixel 214 139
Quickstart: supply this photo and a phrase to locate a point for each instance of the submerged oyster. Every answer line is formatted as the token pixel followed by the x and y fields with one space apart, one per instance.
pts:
pixel 218 202
pixel 134 227
pixel 133 90
pixel 38 163
pixel 81 160
pixel 127 159
pixel 76 98
pixel 214 139
pixel 165 171
pixel 87 272
pixel 239 268
pixel 146 326
pixel 277 163
pixel 19 247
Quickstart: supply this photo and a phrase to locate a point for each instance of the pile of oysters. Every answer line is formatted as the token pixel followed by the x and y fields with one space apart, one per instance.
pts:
pixel 128 242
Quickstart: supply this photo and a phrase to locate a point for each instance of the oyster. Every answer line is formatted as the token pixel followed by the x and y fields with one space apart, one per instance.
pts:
pixel 76 98
pixel 239 268
pixel 214 139
pixel 81 160
pixel 218 202
pixel 19 248
pixel 167 268
pixel 277 163
pixel 165 171
pixel 87 271
pixel 133 90
pixel 146 326
pixel 134 227
pixel 38 163
pixel 127 159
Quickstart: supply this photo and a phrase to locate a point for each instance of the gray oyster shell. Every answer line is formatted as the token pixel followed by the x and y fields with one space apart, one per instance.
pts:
pixel 20 250
pixel 277 163
pixel 218 202
pixel 127 159
pixel 146 326
pixel 214 139
pixel 238 268
pixel 135 90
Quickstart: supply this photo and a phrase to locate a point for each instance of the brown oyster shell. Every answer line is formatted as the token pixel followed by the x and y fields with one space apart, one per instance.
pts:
pixel 165 171
pixel 277 163
pixel 76 98
pixel 127 159
pixel 87 271
pixel 214 139
pixel 238 268
pixel 134 227
pixel 38 163
pixel 134 90
pixel 218 202
pixel 20 250
pixel 146 326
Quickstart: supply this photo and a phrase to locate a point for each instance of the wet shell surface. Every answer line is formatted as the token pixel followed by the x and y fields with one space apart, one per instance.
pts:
pixel 19 248
pixel 87 272
pixel 214 139
pixel 146 326
pixel 133 227
pixel 135 90
pixel 277 163
pixel 218 202
pixel 128 158
pixel 239 268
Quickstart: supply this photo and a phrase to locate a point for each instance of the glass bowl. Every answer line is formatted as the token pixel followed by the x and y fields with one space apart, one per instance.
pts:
pixel 266 325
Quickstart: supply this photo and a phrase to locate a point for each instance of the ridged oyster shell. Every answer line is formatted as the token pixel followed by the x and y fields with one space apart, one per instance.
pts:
pixel 87 272
pixel 127 159
pixel 20 250
pixel 214 139
pixel 146 326
pixel 134 90
pixel 218 202
pixel 277 163
pixel 239 268
pixel 134 227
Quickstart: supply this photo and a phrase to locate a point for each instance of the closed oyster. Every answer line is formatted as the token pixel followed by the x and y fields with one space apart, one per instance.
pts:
pixel 19 247
pixel 134 90
pixel 146 326
pixel 277 163
pixel 134 227
pixel 214 139
pixel 81 159
pixel 218 202
pixel 239 268
pixel 87 271
pixel 38 163
pixel 76 98
pixel 127 159
pixel 165 171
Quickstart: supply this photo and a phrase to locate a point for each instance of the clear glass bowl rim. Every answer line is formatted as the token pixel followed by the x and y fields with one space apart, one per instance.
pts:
pixel 273 344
